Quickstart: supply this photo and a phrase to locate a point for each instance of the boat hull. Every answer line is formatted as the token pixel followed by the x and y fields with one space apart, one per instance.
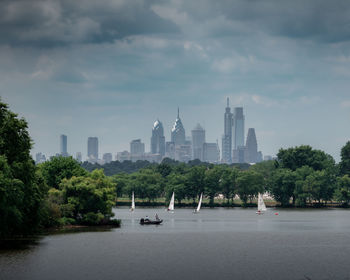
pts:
pixel 150 222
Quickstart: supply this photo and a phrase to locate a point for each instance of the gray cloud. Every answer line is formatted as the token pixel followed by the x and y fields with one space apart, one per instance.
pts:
pixel 51 23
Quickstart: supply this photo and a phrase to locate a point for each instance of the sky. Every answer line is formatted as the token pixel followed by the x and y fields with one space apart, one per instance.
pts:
pixel 110 68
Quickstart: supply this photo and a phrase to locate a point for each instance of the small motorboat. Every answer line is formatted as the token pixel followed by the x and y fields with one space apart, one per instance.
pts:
pixel 150 222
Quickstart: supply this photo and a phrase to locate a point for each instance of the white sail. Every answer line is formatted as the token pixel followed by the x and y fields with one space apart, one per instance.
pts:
pixel 199 203
pixel 132 202
pixel 261 204
pixel 172 202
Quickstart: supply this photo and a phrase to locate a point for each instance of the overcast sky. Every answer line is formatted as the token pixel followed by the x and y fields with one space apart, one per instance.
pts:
pixel 110 68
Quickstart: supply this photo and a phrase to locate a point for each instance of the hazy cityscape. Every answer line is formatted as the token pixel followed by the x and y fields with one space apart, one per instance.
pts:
pixel 236 147
pixel 174 139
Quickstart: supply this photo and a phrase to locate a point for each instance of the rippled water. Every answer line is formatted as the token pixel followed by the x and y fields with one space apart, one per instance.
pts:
pixel 214 244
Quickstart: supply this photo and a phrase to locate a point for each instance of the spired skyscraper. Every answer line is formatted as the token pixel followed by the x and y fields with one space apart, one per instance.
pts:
pixel 198 140
pixel 227 137
pixel 158 139
pixel 178 136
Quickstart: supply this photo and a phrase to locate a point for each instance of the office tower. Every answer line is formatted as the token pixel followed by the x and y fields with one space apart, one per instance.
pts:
pixel 238 128
pixel 178 132
pixel 78 157
pixel 158 139
pixel 170 150
pixel 137 150
pixel 123 156
pixel 251 147
pixel 227 137
pixel 137 147
pixel 40 158
pixel 92 149
pixel 107 158
pixel 183 152
pixel 239 155
pixel 211 152
pixel 63 145
pixel 267 157
pixel 198 139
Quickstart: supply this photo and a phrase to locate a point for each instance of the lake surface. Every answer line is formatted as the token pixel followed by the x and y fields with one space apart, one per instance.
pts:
pixel 213 244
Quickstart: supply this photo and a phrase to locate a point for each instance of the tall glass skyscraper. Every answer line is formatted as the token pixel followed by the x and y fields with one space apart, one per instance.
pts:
pixel 227 137
pixel 251 147
pixel 158 139
pixel 63 145
pixel 238 128
pixel 93 149
pixel 198 139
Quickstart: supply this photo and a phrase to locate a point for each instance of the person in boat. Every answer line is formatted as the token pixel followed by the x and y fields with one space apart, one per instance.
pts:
pixel 146 218
pixel 157 218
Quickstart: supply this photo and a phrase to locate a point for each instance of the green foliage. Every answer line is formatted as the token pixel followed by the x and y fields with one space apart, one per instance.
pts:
pixel 294 158
pixel 176 183
pixel 345 159
pixel 21 189
pixel 282 185
pixel 212 183
pixel 342 192
pixel 228 182
pixel 93 193
pixel 195 181
pixel 59 168
pixel 249 184
pixel 116 167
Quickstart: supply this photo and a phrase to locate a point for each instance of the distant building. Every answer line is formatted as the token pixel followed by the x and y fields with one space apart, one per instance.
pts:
pixel 183 152
pixel 93 149
pixel 178 135
pixel 211 152
pixel 238 128
pixel 40 158
pixel 198 140
pixel 158 139
pixel 227 137
pixel 79 157
pixel 267 157
pixel 251 155
pixel 123 156
pixel 63 145
pixel 170 150
pixel 153 157
pixel 239 155
pixel 137 147
pixel 107 158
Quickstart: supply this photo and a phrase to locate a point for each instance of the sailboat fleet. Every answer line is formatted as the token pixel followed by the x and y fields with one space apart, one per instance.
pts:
pixel 261 204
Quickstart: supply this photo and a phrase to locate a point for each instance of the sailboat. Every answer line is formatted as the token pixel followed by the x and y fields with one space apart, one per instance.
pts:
pixel 261 205
pixel 172 202
pixel 132 202
pixel 199 204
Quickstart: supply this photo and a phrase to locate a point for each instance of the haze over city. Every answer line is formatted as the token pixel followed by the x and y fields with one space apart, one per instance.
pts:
pixel 110 70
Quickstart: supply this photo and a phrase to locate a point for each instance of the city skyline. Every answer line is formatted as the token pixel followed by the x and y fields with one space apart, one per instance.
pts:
pixel 287 64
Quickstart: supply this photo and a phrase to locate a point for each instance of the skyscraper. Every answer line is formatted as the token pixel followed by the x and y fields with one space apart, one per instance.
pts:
pixel 79 157
pixel 198 139
pixel 178 132
pixel 158 139
pixel 211 152
pixel 137 148
pixel 107 157
pixel 238 128
pixel 92 149
pixel 251 155
pixel 227 137
pixel 63 145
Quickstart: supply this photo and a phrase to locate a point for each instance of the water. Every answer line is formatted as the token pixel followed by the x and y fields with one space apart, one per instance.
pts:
pixel 214 244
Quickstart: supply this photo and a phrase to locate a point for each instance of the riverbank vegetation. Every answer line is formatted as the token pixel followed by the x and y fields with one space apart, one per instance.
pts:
pixel 62 192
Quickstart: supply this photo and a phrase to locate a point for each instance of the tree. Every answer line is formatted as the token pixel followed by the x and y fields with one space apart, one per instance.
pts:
pixel 59 168
pixel 228 182
pixel 249 184
pixel 301 191
pixel 212 183
pixel 91 197
pixel 195 182
pixel 342 192
pixel 345 159
pixel 176 183
pixel 282 185
pixel 21 189
pixel 294 158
